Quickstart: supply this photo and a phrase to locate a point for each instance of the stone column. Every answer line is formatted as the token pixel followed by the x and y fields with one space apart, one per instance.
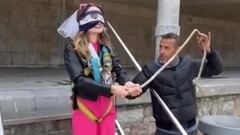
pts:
pixel 167 20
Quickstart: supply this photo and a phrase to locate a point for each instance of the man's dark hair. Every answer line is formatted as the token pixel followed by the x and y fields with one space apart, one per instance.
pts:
pixel 172 35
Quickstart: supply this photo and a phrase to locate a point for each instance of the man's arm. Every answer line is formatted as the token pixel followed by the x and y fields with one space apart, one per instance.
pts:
pixel 214 63
pixel 140 78
pixel 121 75
pixel 212 66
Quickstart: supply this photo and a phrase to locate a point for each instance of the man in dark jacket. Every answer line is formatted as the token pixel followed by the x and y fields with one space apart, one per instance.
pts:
pixel 174 85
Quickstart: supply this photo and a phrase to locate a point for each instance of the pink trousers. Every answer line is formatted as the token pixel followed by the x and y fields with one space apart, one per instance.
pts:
pixel 82 125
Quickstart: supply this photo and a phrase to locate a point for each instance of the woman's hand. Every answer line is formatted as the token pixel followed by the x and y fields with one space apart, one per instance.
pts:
pixel 119 90
pixel 133 89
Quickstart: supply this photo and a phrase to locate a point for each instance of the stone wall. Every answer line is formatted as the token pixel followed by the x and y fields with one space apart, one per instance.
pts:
pixel 29 36
pixel 215 96
pixel 61 127
pixel 29 32
pixel 134 119
pixel 225 37
pixel 138 120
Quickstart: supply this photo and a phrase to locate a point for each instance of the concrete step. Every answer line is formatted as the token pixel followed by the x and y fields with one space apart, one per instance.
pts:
pixel 21 105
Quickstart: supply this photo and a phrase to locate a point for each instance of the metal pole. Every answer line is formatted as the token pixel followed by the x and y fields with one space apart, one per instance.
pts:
pixel 125 47
pixel 1 124
pixel 173 118
pixel 119 128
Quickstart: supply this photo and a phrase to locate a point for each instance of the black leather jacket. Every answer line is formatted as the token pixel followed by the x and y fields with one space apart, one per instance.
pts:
pixel 85 86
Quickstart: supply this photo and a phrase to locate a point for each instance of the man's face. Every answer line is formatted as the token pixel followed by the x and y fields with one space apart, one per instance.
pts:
pixel 167 48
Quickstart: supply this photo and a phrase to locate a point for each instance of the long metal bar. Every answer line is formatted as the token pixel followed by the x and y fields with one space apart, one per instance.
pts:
pixel 125 47
pixel 119 128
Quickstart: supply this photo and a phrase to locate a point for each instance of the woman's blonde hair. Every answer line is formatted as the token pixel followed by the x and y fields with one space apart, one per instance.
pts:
pixel 81 43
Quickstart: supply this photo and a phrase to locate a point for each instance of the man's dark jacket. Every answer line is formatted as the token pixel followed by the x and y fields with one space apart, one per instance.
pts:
pixel 174 85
